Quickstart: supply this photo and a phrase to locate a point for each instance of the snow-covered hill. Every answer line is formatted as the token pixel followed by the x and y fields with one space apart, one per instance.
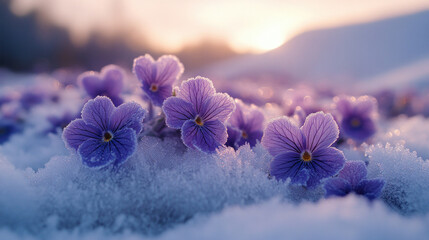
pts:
pixel 343 54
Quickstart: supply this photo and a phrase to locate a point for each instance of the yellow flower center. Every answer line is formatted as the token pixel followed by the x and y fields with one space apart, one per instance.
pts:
pixel 306 156
pixel 154 87
pixel 244 134
pixel 107 137
pixel 199 121
pixel 355 122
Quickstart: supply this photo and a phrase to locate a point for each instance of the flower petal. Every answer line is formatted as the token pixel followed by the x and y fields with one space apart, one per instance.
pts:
pixel 337 187
pixel 97 112
pixel 370 188
pixel 353 172
pixel 282 136
pixel 91 82
pixel 196 91
pixel 123 145
pixel 96 153
pixel 252 138
pixel 168 70
pixel 325 163
pixel 320 131
pixel 145 69
pixel 255 120
pixel 127 115
pixel 177 112
pixel 287 165
pixel 78 132
pixel 205 138
pixel 218 107
pixel 361 133
pixel 160 95
pixel 113 78
pixel 233 136
pixel 365 105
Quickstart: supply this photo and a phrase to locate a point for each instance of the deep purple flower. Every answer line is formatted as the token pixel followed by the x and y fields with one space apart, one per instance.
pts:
pixel 244 125
pixel 356 117
pixel 303 154
pixel 109 82
pixel 158 77
pixel 105 134
pixel 7 128
pixel 200 113
pixel 352 178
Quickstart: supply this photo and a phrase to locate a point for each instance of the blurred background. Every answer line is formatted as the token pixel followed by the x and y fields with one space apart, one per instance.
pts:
pixel 289 39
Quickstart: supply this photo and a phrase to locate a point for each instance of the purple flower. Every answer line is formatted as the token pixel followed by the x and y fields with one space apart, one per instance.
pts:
pixel 7 129
pixel 303 154
pixel 109 82
pixel 356 117
pixel 105 134
pixel 245 125
pixel 158 77
pixel 352 178
pixel 200 113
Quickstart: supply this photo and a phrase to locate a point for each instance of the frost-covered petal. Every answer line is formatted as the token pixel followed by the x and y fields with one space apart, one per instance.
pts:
pixel 255 120
pixel 218 107
pixel 177 112
pixel 353 172
pixel 97 112
pixel 196 91
pixel 325 163
pixel 281 135
pixel 157 97
pixel 78 132
pixel 113 80
pixel 343 105
pixel 123 145
pixel 251 138
pixel 337 187
pixel 127 115
pixel 320 131
pixel 234 134
pixel 365 105
pixel 145 69
pixel 168 70
pixel 287 165
pixel 370 188
pixel 206 138
pixel 96 153
pixel 91 82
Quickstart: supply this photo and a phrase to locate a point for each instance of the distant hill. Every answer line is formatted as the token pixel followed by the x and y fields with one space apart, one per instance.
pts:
pixel 341 54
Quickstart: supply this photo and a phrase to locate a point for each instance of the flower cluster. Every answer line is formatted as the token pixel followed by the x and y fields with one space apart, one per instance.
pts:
pixel 108 130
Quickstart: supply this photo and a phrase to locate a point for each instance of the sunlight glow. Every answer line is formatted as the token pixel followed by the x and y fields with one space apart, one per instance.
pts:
pixel 168 25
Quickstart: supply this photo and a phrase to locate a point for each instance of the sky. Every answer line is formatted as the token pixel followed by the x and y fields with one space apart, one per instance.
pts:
pixel 169 25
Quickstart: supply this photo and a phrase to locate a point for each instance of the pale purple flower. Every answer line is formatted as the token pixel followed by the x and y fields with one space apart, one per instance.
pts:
pixel 106 134
pixel 200 113
pixel 356 117
pixel 245 125
pixel 109 82
pixel 303 154
pixel 352 178
pixel 158 77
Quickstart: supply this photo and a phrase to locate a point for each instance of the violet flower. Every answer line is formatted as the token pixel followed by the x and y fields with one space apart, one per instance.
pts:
pixel 61 121
pixel 200 113
pixel 356 117
pixel 7 129
pixel 105 134
pixel 245 125
pixel 303 154
pixel 109 82
pixel 158 77
pixel 352 178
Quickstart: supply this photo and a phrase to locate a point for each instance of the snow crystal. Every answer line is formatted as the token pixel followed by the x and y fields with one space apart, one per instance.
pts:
pixel 406 176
